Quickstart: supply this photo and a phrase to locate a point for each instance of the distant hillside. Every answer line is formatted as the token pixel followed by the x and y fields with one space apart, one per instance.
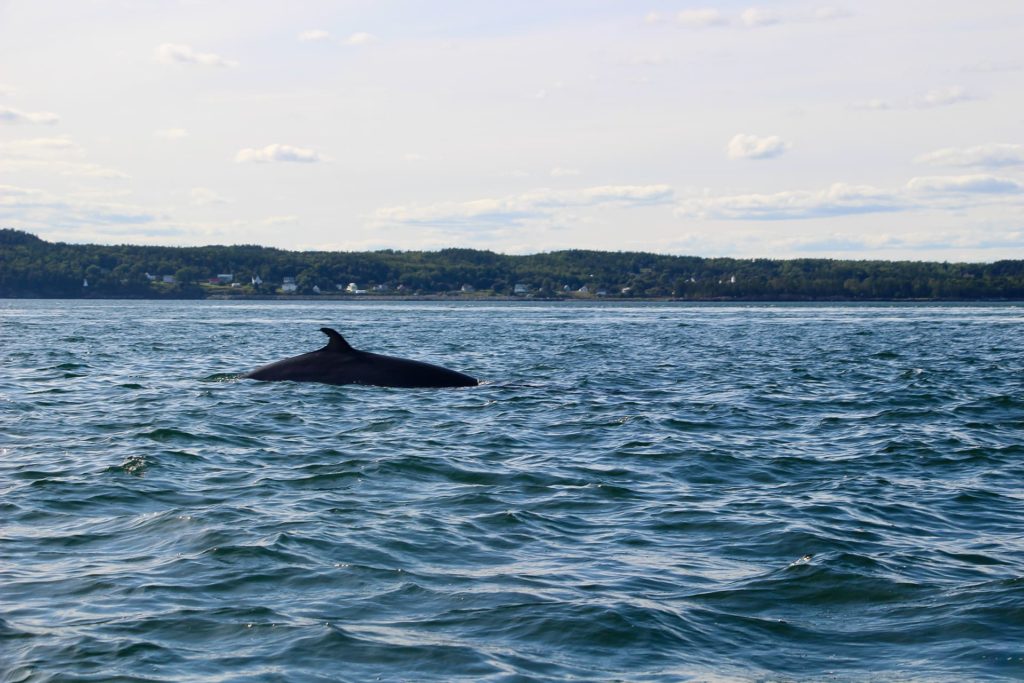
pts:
pixel 31 267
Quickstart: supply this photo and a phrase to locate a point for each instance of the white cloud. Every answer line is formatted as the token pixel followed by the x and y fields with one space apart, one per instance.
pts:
pixel 873 105
pixel 6 90
pixel 756 16
pixel 202 196
pixel 990 67
pixel 11 115
pixel 11 195
pixel 829 13
pixel 39 209
pixel 278 221
pixel 701 18
pixel 39 147
pixel 171 133
pixel 646 60
pixel 978 183
pixel 56 156
pixel 942 97
pixel 314 36
pixel 989 156
pixel 623 195
pixel 93 171
pixel 169 53
pixel 752 147
pixel 60 167
pixel 838 242
pixel 562 172
pixel 278 152
pixel 361 39
pixel 841 199
pixel 413 157
pixel 936 97
pixel 837 200
pixel 516 209
pixel 752 17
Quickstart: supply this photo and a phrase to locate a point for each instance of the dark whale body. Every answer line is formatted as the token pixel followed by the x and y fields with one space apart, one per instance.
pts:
pixel 339 363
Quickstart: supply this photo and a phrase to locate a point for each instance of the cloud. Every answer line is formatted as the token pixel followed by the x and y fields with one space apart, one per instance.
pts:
pixel 171 133
pixel 752 17
pixel 60 167
pixel 278 152
pixel 623 195
pixel 92 171
pixel 970 184
pixel 752 147
pixel 40 209
pixel 11 115
pixel 701 18
pixel 943 97
pixel 990 67
pixel 39 147
pixel 58 156
pixel 278 221
pixel 201 196
pixel 830 13
pixel 936 97
pixel 361 39
pixel 873 105
pixel 556 86
pixel 839 199
pixel 756 16
pixel 937 241
pixel 314 36
pixel 561 172
pixel 645 60
pixel 6 90
pixel 169 53
pixel 527 206
pixel 989 156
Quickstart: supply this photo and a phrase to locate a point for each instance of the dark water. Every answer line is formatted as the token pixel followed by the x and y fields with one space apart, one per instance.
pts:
pixel 651 492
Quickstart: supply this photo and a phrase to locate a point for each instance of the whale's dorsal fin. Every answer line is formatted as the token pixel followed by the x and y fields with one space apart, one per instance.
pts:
pixel 337 343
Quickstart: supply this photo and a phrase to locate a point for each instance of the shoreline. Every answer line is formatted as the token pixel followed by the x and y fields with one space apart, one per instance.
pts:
pixel 443 298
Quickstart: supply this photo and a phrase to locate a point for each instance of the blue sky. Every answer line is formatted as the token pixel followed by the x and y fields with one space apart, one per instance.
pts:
pixel 860 130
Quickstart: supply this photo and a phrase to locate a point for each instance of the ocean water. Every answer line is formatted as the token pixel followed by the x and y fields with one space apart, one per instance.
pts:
pixel 651 492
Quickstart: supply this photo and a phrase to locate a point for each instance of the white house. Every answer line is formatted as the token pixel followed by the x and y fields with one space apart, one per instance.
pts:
pixel 288 285
pixel 521 289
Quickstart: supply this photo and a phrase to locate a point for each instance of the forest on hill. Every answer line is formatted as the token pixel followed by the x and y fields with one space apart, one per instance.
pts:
pixel 32 267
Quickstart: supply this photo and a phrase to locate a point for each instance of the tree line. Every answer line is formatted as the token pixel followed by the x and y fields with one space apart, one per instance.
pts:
pixel 32 267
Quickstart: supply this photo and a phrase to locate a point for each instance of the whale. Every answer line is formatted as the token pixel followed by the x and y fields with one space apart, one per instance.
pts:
pixel 339 363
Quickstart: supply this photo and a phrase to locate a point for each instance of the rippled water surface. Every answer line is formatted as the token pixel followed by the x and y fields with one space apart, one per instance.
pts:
pixel 652 492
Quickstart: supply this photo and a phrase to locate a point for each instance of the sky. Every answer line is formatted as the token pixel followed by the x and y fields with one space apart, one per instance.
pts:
pixel 866 129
